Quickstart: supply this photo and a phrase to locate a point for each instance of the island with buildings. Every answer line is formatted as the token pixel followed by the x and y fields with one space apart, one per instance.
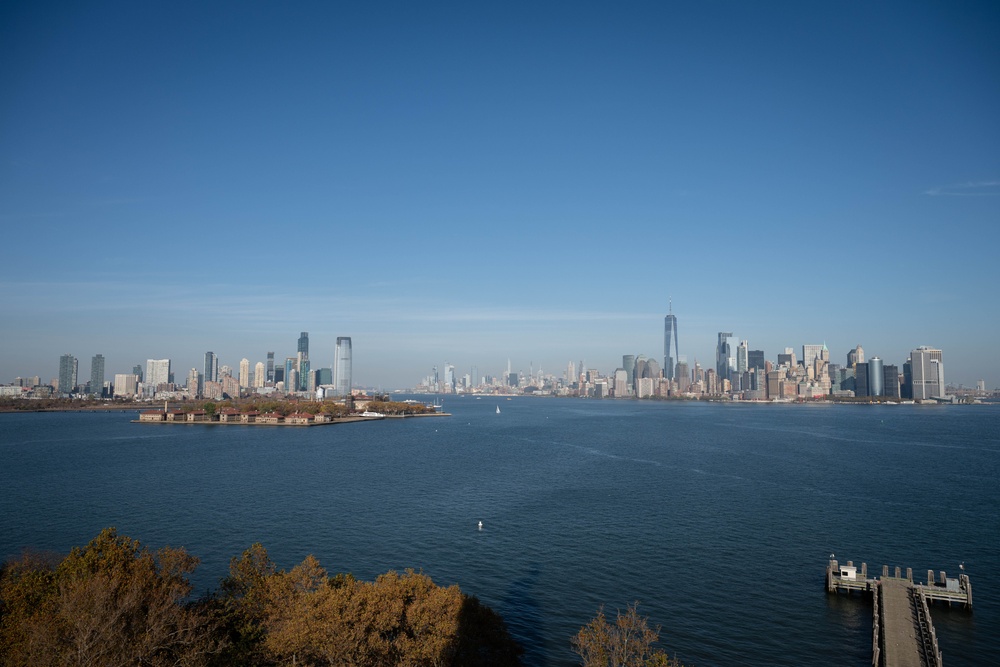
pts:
pixel 290 413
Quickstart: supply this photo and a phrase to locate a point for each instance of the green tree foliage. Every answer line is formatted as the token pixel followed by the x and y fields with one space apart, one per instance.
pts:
pixel 628 642
pixel 335 409
pixel 112 602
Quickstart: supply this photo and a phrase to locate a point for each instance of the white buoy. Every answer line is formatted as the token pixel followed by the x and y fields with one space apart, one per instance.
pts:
pixel 480 525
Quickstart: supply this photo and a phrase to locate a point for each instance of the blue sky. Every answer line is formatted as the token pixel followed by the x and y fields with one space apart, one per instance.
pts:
pixel 473 182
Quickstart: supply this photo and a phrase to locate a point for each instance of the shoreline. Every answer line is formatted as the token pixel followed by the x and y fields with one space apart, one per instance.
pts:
pixel 338 420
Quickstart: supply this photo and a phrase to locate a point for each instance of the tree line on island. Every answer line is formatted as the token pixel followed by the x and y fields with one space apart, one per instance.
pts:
pixel 116 602
pixel 381 404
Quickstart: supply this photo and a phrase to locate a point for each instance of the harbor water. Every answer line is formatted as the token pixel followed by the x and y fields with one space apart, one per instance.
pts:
pixel 718 519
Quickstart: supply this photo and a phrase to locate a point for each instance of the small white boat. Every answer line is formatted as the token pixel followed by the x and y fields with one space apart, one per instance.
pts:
pixel 498 409
pixel 368 413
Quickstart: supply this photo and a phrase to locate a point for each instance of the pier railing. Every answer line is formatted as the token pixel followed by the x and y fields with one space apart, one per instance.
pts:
pixel 928 637
pixel 876 632
pixel 849 579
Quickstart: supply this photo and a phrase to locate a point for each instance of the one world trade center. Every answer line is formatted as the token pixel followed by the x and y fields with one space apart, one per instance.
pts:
pixel 670 333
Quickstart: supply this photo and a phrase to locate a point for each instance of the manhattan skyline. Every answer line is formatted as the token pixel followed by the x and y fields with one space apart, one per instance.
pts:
pixel 466 185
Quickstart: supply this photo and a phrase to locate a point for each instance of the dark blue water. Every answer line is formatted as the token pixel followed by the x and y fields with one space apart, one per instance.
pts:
pixel 718 518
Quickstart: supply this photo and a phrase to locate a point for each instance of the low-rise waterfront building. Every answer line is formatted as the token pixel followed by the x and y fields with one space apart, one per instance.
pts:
pixel 300 418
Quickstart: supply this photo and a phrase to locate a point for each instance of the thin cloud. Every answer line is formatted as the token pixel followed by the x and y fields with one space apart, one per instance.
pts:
pixel 239 307
pixel 970 189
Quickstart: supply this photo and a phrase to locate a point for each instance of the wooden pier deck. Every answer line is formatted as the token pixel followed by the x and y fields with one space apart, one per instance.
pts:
pixel 902 632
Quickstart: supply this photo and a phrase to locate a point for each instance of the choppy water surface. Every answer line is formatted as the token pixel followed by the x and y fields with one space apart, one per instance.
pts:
pixel 718 518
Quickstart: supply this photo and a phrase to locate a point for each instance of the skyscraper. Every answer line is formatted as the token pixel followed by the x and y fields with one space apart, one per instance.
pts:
pixel 244 373
pixel 810 353
pixel 628 364
pixel 342 367
pixel 670 334
pixel 211 367
pixel 304 343
pixel 876 377
pixel 194 383
pixel 126 384
pixel 157 372
pixel 861 380
pixel 927 372
pixel 683 375
pixel 890 381
pixel 68 366
pixel 722 352
pixel 302 364
pixel 97 375
pixel 743 356
pixel 855 356
pixel 638 371
pixel 270 367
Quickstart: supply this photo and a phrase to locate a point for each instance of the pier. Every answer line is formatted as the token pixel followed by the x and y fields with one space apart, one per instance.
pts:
pixel 902 632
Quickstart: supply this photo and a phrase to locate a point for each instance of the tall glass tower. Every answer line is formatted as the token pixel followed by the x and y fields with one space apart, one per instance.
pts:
pixel 342 367
pixel 304 343
pixel 876 377
pixel 722 352
pixel 97 375
pixel 68 366
pixel 670 333
pixel 211 367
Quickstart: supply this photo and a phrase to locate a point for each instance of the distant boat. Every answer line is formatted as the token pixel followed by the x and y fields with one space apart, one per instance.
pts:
pixel 498 409
pixel 369 413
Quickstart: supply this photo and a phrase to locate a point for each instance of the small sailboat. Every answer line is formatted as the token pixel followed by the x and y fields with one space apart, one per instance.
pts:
pixel 498 409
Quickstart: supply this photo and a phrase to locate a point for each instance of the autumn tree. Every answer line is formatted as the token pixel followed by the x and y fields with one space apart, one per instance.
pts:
pixel 111 602
pixel 114 602
pixel 305 617
pixel 628 642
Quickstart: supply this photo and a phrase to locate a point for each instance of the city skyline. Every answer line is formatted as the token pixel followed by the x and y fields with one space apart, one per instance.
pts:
pixel 728 363
pixel 461 186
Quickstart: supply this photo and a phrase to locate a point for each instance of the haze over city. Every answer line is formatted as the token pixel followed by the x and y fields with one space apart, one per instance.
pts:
pixel 472 184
